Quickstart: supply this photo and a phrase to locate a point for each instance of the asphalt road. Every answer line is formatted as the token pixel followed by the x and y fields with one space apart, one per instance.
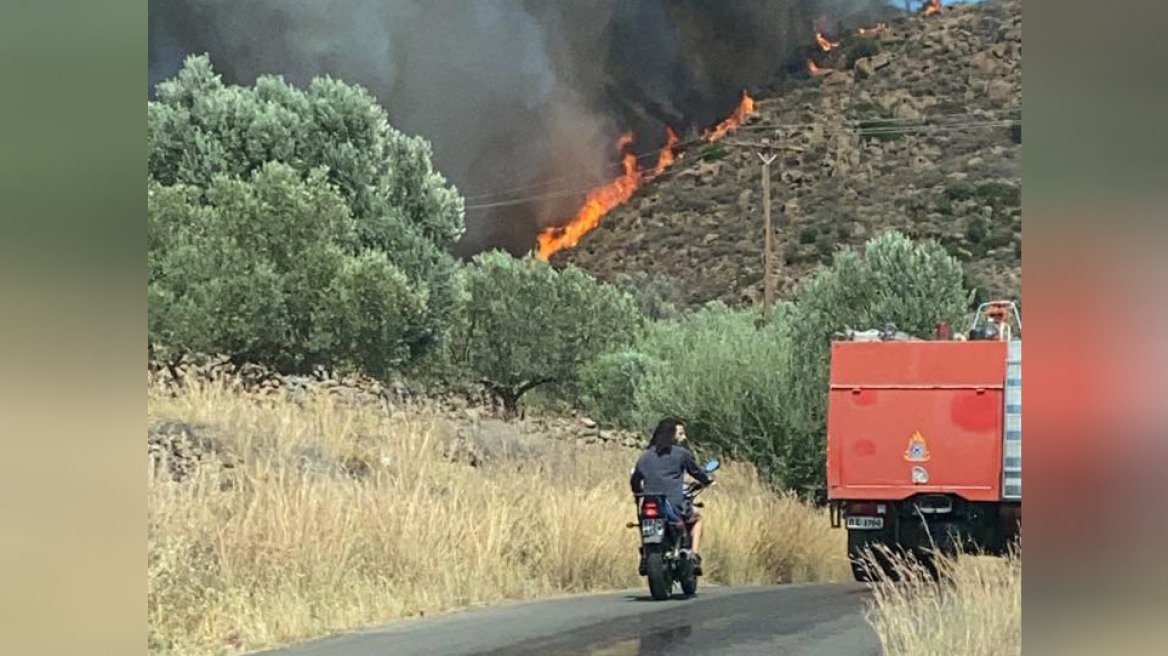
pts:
pixel 811 620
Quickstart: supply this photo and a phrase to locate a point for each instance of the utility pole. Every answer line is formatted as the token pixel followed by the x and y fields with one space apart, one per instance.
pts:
pixel 768 282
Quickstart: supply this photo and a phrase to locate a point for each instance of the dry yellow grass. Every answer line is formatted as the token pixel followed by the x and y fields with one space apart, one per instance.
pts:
pixel 281 547
pixel 975 611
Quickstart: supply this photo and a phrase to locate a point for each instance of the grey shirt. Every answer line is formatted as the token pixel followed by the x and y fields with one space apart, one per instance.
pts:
pixel 665 475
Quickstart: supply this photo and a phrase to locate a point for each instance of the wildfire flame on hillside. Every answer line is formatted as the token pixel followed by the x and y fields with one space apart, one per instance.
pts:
pixel 603 199
pixel 745 108
pixel 666 157
pixel 596 205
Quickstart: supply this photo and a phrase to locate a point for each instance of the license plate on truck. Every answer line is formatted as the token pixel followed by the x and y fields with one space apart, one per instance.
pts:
pixel 864 522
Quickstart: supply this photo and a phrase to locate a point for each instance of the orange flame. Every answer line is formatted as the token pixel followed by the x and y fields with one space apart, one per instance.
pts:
pixel 824 44
pixel 815 70
pixel 932 7
pixel 600 201
pixel 666 157
pixel 596 205
pixel 865 31
pixel 745 108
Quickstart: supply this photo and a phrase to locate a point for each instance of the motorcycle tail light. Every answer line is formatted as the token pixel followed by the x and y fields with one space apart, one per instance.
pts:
pixel 649 508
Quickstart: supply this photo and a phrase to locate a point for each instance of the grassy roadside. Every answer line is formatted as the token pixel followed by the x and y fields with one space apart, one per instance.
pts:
pixel 303 521
pixel 975 611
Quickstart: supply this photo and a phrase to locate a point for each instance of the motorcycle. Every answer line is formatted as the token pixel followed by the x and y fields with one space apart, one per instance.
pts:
pixel 664 544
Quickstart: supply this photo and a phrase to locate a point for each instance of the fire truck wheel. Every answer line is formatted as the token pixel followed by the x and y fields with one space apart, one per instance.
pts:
pixel 868 554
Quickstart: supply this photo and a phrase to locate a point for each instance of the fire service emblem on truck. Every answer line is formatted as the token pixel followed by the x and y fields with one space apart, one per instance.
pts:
pixel 918 451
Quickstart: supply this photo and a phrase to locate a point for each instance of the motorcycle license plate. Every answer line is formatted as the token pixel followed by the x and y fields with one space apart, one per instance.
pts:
pixel 652 528
pixel 864 522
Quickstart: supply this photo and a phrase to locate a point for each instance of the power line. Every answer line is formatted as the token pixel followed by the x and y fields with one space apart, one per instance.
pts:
pixel 865 131
pixel 880 129
pixel 593 181
pixel 607 167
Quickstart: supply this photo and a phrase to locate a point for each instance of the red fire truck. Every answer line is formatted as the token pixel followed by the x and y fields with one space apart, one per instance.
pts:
pixel 924 439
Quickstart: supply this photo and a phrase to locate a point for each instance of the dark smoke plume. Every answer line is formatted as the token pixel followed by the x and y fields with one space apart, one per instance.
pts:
pixel 512 93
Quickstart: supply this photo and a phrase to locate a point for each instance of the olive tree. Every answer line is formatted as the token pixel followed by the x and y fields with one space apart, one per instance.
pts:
pixel 526 324
pixel 208 141
pixel 262 270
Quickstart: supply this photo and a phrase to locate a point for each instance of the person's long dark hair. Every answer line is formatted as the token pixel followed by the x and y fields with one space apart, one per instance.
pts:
pixel 664 435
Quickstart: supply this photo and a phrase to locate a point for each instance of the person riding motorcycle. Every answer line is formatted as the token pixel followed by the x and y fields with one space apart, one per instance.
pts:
pixel 660 472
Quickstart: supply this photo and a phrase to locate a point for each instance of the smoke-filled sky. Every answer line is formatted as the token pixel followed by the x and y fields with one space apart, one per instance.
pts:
pixel 511 93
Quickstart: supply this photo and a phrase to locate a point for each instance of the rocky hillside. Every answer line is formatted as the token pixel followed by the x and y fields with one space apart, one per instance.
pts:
pixel 915 126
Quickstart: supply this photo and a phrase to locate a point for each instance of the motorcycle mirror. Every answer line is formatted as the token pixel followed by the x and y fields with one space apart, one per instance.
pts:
pixel 712 465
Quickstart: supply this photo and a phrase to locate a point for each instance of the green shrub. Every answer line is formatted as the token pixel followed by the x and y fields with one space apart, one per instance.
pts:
pixel 958 191
pixel 758 389
pixel 824 246
pixel 881 129
pixel 713 153
pixel 977 286
pixel 608 385
pixel 722 373
pixel 657 297
pixel 999 194
pixel 998 237
pixel 792 253
pixel 843 229
pixel 976 230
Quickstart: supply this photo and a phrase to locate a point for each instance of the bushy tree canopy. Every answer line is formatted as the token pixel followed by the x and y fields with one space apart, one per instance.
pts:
pixel 722 371
pixel 657 297
pixel 372 189
pixel 758 389
pixel 261 269
pixel 525 324
pixel 199 127
pixel 911 285
pixel 608 385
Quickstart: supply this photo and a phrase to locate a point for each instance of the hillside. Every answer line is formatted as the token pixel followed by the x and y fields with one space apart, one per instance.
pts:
pixel 908 127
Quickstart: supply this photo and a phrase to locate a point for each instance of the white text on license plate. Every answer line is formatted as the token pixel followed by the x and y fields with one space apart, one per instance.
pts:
pixel 652 527
pixel 865 522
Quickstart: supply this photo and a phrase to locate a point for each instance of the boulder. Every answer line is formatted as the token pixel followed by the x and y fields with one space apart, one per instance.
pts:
pixel 838 80
pixel 985 64
pixel 1000 92
pixel 864 68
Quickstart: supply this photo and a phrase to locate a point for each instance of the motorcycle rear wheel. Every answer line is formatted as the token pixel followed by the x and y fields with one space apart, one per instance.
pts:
pixel 660 581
